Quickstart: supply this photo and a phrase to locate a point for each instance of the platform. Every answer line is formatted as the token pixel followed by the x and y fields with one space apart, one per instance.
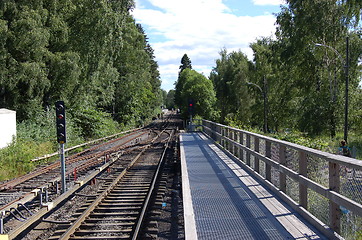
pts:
pixel 222 201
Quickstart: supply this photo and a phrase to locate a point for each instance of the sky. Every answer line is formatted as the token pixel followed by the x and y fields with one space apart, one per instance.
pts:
pixel 201 29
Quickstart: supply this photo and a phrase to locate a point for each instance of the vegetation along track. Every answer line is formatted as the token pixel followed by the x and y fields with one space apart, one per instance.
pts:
pixel 101 178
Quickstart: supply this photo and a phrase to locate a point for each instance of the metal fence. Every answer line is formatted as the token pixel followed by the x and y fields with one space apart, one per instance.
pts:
pixel 324 188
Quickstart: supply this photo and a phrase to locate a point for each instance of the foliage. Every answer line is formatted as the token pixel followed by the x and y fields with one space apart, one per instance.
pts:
pixel 95 124
pixel 41 128
pixel 302 139
pixel 90 54
pixel 197 87
pixel 15 159
pixel 230 77
pixel 37 137
pixel 185 64
pixel 170 99
pixel 294 82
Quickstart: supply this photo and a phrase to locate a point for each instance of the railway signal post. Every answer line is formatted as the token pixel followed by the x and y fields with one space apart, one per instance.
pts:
pixel 191 111
pixel 61 138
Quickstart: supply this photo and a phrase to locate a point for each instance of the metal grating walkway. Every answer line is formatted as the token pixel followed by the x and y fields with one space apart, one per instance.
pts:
pixel 221 201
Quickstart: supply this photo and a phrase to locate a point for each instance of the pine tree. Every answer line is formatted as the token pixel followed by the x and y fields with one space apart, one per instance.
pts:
pixel 185 63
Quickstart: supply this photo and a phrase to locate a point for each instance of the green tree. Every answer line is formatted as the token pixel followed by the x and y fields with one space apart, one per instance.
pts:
pixel 230 78
pixel 185 63
pixel 179 84
pixel 200 89
pixel 27 40
pixel 90 54
pixel 315 73
pixel 170 99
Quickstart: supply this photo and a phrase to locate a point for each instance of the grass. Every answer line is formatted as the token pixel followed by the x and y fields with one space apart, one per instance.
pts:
pixel 15 159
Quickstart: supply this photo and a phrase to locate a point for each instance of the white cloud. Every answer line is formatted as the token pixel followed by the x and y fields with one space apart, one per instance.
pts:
pixel 268 2
pixel 200 31
pixel 169 73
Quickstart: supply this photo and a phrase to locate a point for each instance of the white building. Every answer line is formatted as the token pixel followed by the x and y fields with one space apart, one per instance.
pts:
pixel 7 126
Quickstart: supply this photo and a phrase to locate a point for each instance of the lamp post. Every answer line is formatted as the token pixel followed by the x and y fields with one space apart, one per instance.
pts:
pixel 265 97
pixel 346 66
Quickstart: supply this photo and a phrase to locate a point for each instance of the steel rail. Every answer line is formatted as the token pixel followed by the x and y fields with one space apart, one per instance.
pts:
pixel 55 165
pixel 49 206
pixel 17 181
pixel 76 225
pixel 70 231
pixel 29 196
pixel 141 218
pixel 84 144
pixel 60 200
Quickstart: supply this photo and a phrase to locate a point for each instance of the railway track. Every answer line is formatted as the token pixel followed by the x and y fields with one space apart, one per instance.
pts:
pixel 41 175
pixel 121 194
pixel 45 180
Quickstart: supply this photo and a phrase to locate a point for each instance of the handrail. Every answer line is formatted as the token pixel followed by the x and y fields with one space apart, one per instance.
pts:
pixel 278 163
pixel 331 157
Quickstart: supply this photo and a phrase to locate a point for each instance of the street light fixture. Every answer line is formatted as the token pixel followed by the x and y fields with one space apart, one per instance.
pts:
pixel 265 97
pixel 345 63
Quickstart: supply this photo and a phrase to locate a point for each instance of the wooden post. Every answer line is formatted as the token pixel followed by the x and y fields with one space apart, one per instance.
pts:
pixel 334 185
pixel 303 191
pixel 256 160
pixel 219 130
pixel 241 141
pixel 282 176
pixel 227 140
pixel 237 139
pixel 231 136
pixel 248 146
pixel 212 133
pixel 268 155
pixel 234 146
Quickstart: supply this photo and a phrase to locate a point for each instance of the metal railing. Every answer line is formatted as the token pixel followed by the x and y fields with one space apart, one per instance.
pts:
pixel 326 189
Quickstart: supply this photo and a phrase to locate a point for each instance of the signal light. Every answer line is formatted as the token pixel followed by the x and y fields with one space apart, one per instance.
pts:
pixel 60 121
pixel 191 106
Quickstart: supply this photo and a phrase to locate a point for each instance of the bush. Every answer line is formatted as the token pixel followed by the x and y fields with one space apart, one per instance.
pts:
pixel 15 159
pixel 37 137
pixel 42 128
pixel 302 139
pixel 94 123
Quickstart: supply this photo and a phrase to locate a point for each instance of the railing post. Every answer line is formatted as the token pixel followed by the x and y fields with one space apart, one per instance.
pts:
pixel 268 155
pixel 248 146
pixel 256 160
pixel 237 149
pixel 219 130
pixel 241 141
pixel 334 185
pixel 282 176
pixel 235 138
pixel 227 139
pixel 213 131
pixel 231 145
pixel 303 191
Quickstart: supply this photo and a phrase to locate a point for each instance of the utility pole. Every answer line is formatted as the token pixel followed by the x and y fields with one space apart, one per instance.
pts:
pixel 346 97
pixel 265 95
pixel 346 66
